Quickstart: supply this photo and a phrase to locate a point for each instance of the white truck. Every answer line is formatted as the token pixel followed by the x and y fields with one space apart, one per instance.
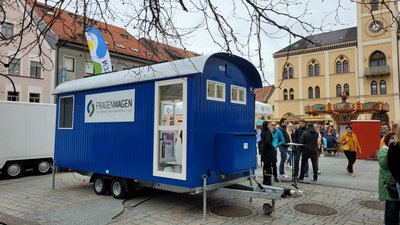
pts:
pixel 26 137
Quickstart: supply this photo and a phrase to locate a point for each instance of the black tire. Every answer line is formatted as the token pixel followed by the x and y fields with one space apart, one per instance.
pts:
pixel 43 166
pixel 118 188
pixel 267 208
pixel 13 169
pixel 100 185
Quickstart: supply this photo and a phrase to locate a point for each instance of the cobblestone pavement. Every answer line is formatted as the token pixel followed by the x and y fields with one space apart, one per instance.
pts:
pixel 30 200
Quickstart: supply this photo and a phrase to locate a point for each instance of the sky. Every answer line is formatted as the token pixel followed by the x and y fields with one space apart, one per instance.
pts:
pixel 318 13
pixel 202 43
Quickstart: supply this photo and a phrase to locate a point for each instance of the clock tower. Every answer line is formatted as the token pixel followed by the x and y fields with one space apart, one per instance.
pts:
pixel 377 51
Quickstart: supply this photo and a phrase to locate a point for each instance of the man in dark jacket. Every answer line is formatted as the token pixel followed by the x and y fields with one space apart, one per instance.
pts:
pixel 268 154
pixel 393 162
pixel 297 153
pixel 283 149
pixel 310 140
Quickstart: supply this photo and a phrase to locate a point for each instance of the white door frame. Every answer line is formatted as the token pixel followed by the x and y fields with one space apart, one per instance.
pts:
pixel 157 128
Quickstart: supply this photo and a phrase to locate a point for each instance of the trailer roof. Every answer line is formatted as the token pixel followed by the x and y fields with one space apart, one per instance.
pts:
pixel 195 65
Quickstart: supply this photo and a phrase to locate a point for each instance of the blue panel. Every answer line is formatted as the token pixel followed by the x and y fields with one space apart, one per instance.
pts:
pixel 235 152
pixel 123 148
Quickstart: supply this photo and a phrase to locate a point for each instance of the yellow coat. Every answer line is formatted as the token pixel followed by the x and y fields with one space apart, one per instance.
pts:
pixel 353 144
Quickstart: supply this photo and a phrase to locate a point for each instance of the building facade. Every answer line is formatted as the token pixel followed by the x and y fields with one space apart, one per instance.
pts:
pixel 32 75
pixel 363 61
pixel 63 54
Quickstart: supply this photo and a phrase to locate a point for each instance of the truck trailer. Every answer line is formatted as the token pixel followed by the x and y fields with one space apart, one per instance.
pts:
pixel 26 137
pixel 181 126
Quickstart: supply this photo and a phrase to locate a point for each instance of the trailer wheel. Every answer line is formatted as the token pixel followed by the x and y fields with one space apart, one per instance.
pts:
pixel 267 208
pixel 13 169
pixel 118 188
pixel 100 185
pixel 42 167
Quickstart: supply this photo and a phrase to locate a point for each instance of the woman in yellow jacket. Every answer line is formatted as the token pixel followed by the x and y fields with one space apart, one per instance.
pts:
pixel 350 145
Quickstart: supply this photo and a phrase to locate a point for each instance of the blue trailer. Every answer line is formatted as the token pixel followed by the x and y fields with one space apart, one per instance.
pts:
pixel 172 126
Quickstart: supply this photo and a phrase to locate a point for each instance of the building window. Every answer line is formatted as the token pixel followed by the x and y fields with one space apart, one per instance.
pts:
pixel 215 91
pixel 382 86
pixel 13 96
pixel 310 92
pixel 69 63
pixel 36 69
pixel 291 94
pixel 288 72
pixel 89 70
pixel 7 29
pixel 14 66
pixel 238 94
pixel 285 74
pixel 34 97
pixel 66 114
pixel 285 94
pixel 345 66
pixel 338 90
pixel 374 88
pixel 338 67
pixel 313 68
pixel 374 5
pixel 317 92
pixel 316 68
pixel 342 65
pixel 310 70
pixel 377 59
pixel 346 89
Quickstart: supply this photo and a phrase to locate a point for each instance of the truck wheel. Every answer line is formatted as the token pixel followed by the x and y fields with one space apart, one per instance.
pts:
pixel 42 167
pixel 14 169
pixel 118 188
pixel 267 208
pixel 100 185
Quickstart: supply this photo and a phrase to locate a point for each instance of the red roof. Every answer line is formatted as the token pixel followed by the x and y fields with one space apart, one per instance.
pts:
pixel 264 94
pixel 167 52
pixel 69 27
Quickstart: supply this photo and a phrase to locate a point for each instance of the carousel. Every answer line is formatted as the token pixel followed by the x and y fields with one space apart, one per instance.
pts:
pixel 344 112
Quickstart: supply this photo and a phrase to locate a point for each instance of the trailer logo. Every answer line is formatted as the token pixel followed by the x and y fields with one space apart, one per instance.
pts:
pixel 90 108
pixel 114 106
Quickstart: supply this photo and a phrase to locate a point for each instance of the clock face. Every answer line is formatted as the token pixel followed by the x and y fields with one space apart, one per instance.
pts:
pixel 376 26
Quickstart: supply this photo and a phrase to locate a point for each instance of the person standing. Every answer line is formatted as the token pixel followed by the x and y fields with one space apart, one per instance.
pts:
pixel 268 153
pixel 310 140
pixel 277 142
pixel 297 153
pixel 283 149
pixel 393 162
pixel 290 131
pixel 392 204
pixel 350 145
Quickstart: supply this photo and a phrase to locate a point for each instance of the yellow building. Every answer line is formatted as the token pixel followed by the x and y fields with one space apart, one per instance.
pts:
pixel 363 61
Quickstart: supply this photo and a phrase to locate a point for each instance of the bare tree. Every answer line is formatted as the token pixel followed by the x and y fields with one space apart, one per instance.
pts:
pixel 234 26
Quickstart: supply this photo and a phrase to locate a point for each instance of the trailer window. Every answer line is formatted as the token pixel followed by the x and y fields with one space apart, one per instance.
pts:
pixel 66 111
pixel 215 91
pixel 238 94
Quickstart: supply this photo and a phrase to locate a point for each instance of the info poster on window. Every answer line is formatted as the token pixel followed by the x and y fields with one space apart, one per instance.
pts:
pixel 167 146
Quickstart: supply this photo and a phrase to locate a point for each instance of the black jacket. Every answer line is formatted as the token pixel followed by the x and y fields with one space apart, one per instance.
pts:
pixel 285 133
pixel 268 152
pixel 393 160
pixel 310 140
pixel 298 133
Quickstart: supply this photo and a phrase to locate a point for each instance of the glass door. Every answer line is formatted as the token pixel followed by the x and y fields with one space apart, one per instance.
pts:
pixel 170 129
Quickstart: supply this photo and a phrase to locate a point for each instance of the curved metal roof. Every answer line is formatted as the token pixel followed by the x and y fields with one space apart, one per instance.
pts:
pixel 195 65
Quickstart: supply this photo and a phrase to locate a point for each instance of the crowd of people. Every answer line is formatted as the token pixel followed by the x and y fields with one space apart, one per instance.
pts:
pixel 313 139
pixel 389 173
pixel 273 138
